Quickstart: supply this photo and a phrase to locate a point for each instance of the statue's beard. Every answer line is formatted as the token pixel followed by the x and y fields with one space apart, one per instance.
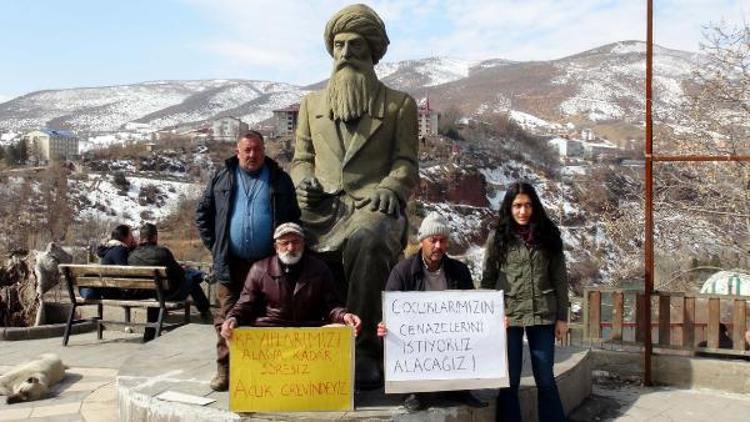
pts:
pixel 351 90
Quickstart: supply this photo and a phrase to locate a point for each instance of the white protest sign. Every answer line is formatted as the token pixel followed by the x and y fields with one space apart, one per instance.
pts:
pixel 444 340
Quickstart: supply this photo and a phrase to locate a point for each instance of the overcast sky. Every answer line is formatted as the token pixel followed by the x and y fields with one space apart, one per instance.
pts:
pixel 52 44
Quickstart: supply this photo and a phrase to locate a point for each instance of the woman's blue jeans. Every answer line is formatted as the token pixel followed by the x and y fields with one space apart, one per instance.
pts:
pixel 542 350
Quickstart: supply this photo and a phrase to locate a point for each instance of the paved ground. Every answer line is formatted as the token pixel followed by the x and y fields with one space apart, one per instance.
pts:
pixel 628 402
pixel 88 391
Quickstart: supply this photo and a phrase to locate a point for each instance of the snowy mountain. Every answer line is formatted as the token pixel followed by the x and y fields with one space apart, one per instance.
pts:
pixel 610 80
pixel 158 104
pixel 602 84
pixel 412 75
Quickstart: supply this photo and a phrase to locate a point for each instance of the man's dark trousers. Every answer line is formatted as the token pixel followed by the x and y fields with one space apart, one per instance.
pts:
pixel 227 295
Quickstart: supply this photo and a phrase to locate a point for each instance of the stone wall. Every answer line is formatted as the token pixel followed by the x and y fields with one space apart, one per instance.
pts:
pixel 730 374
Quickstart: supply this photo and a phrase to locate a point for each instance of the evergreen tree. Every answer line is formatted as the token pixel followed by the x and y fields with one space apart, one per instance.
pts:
pixel 22 153
pixel 10 155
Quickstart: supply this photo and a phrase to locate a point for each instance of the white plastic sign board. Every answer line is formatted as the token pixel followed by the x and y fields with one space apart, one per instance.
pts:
pixel 444 340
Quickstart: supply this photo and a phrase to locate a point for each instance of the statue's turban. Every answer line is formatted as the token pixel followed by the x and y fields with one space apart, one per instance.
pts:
pixel 361 20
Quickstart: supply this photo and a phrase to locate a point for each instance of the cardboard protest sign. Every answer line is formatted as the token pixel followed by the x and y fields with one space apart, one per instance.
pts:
pixel 291 369
pixel 444 340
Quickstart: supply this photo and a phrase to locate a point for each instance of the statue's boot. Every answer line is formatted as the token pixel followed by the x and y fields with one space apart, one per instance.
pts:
pixel 368 374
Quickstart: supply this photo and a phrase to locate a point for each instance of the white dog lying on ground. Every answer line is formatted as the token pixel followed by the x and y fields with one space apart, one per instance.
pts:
pixel 32 380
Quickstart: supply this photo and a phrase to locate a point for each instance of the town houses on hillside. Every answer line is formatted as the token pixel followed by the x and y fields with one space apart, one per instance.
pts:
pixel 227 129
pixel 584 145
pixel 567 148
pixel 224 129
pixel 48 144
pixel 285 120
pixel 427 118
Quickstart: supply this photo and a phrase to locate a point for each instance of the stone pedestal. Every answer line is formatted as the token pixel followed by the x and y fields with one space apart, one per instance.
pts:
pixel 183 361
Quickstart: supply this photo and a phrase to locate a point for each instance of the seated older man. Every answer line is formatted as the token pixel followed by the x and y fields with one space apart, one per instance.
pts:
pixel 290 289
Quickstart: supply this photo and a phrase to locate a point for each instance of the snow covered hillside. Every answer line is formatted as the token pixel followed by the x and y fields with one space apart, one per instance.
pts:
pixel 414 74
pixel 610 80
pixel 598 85
pixel 144 200
pixel 159 104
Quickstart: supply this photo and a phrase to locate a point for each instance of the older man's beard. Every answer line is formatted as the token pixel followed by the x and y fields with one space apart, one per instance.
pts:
pixel 290 258
pixel 351 90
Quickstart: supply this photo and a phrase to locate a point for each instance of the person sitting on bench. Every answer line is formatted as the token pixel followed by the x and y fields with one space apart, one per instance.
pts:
pixel 182 282
pixel 113 252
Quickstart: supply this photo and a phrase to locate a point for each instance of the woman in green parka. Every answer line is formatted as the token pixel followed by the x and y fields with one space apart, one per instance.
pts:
pixel 524 258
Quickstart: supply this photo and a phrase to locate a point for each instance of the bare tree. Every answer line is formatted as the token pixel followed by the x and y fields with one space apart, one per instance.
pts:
pixel 713 199
pixel 58 215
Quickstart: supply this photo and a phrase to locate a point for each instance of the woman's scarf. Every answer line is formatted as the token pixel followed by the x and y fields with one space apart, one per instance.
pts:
pixel 525 234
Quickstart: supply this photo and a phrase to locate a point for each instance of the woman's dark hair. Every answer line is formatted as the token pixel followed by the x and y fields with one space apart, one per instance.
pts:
pixel 121 232
pixel 544 232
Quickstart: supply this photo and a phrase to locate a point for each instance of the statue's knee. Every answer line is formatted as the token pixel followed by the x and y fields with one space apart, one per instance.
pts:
pixel 365 240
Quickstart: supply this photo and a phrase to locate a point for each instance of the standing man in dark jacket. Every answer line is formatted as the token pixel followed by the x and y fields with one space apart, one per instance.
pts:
pixel 242 205
pixel 431 269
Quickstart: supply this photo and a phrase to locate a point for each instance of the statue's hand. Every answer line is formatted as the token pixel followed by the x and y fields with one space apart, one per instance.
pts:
pixel 385 201
pixel 309 192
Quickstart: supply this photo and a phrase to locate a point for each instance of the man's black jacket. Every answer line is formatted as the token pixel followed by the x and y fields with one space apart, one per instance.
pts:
pixel 212 214
pixel 408 275
pixel 150 254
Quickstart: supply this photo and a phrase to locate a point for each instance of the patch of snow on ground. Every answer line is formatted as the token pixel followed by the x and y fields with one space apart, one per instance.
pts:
pixel 574 170
pixel 473 258
pixel 498 178
pixel 111 139
pixel 529 121
pixel 100 190
pixel 609 83
pixel 9 138
pixel 465 220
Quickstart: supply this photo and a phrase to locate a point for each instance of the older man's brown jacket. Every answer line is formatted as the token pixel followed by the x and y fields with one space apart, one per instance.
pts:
pixel 269 299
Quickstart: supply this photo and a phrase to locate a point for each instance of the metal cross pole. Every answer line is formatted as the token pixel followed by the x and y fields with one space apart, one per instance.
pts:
pixel 648 252
pixel 701 158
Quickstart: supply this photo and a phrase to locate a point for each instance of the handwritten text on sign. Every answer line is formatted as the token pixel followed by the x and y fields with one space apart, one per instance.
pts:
pixel 291 369
pixel 445 340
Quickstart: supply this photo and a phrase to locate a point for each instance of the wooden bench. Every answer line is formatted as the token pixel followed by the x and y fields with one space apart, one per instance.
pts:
pixel 120 277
